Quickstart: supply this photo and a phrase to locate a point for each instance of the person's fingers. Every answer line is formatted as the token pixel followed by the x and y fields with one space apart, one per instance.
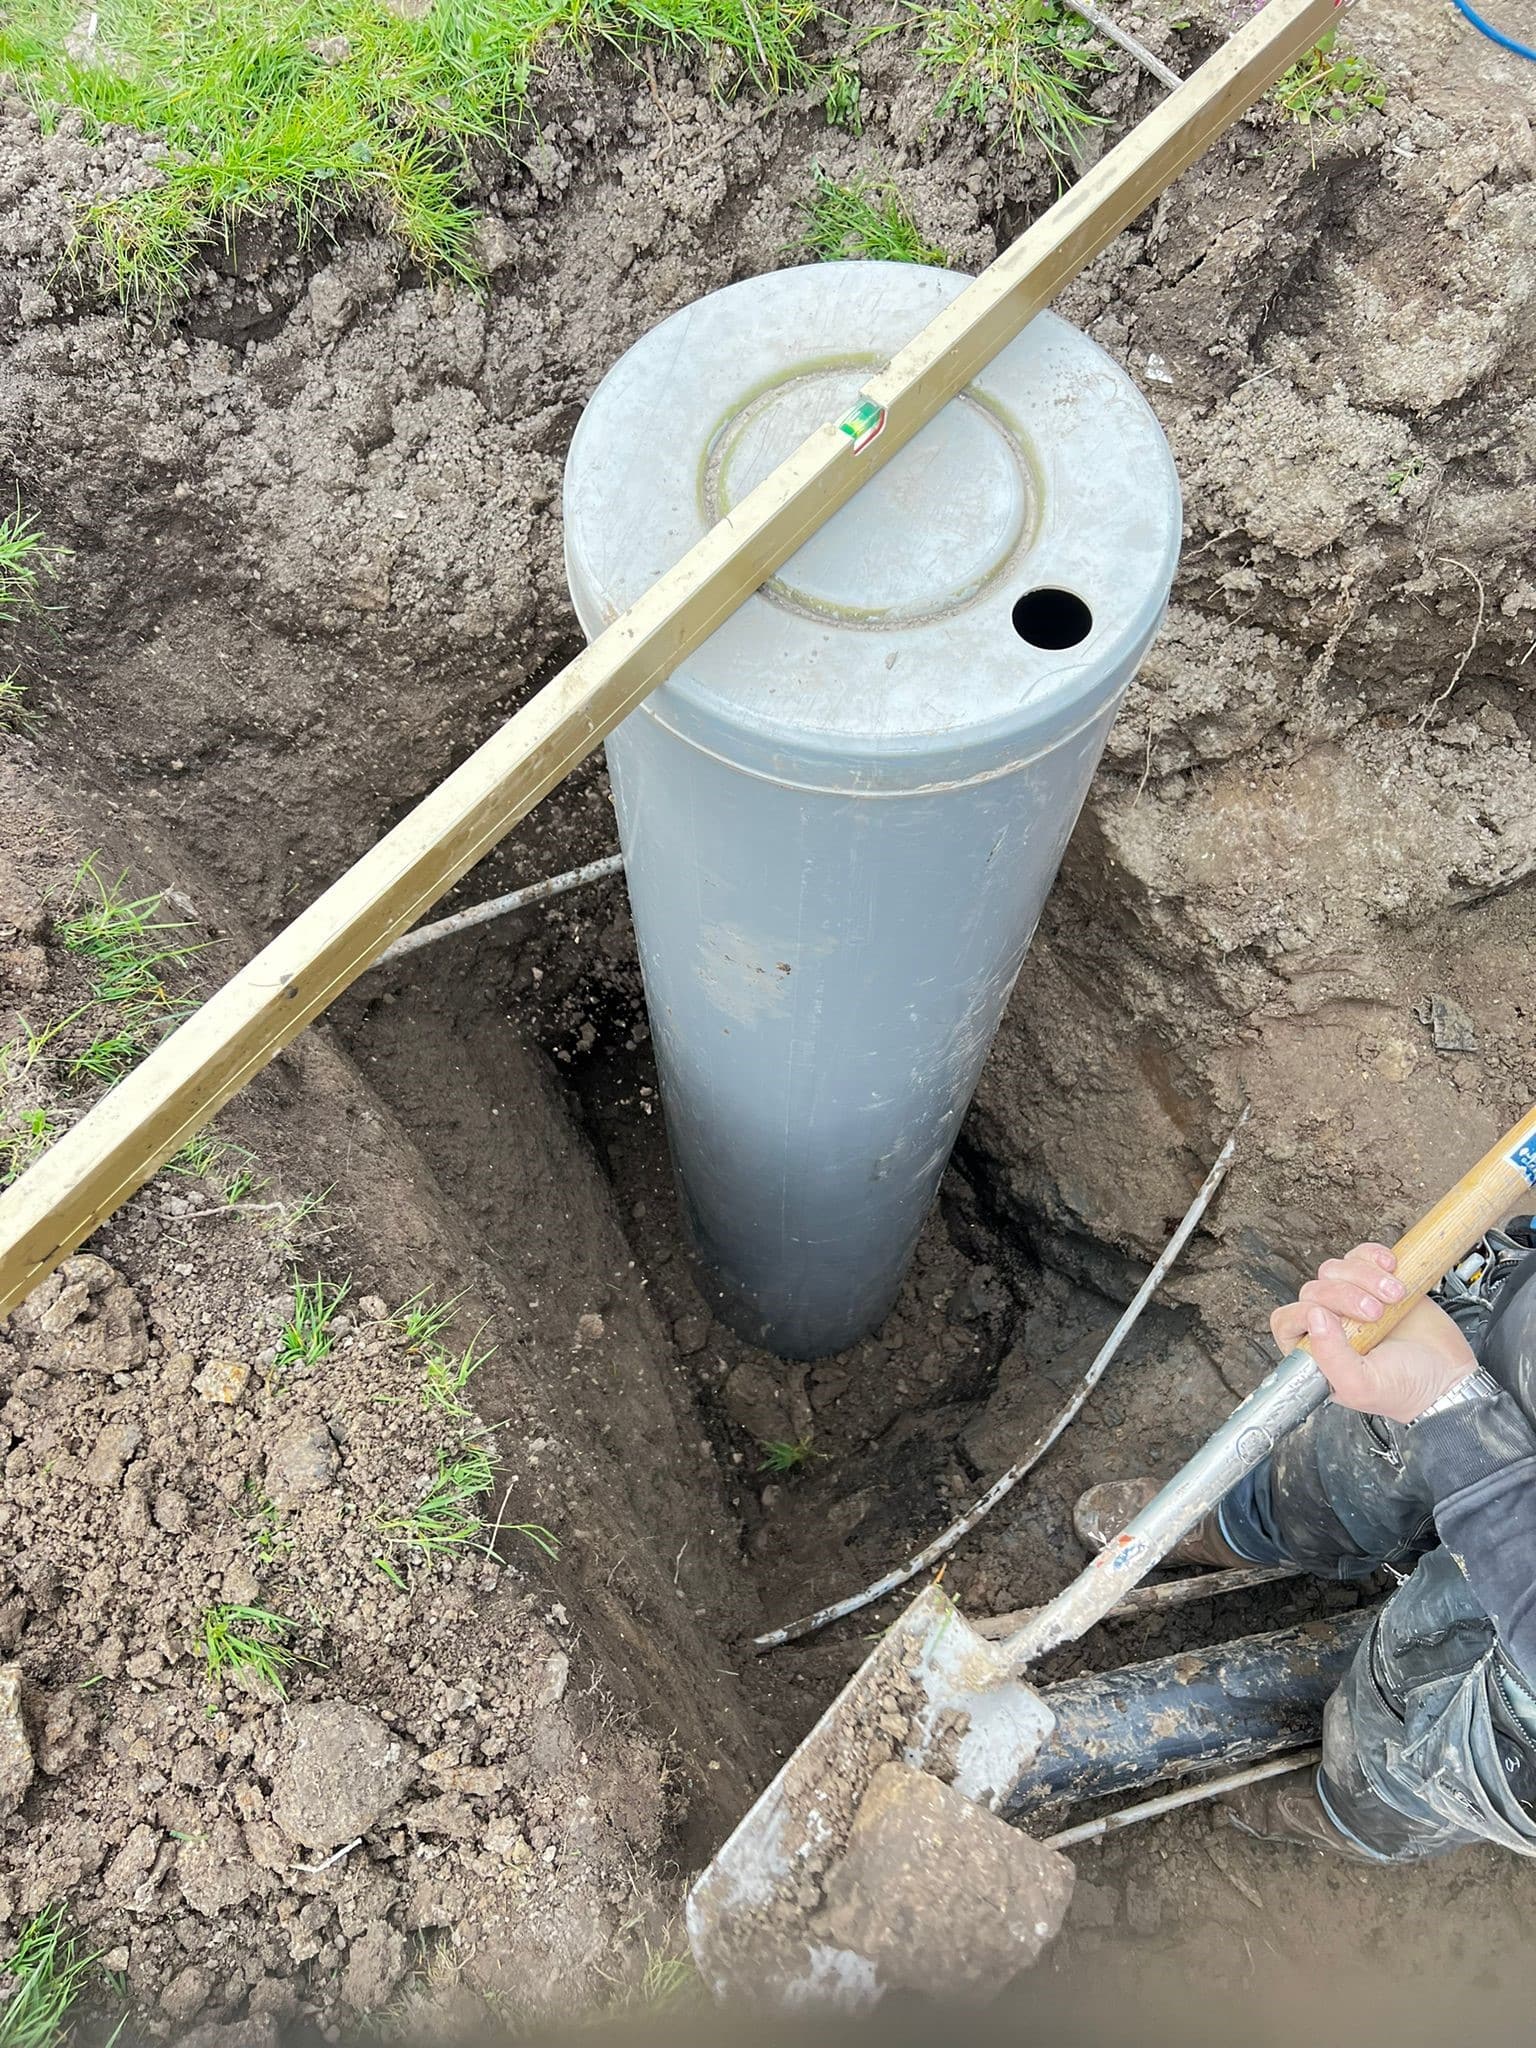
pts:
pixel 1365 1279
pixel 1288 1325
pixel 1379 1254
pixel 1339 1289
pixel 1358 1287
pixel 1342 1298
pixel 1337 1360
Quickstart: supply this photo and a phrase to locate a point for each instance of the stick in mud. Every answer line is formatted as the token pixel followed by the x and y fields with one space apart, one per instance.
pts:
pixel 1132 45
pixel 1001 1488
pixel 1153 1599
pixel 502 906
pixel 1190 1795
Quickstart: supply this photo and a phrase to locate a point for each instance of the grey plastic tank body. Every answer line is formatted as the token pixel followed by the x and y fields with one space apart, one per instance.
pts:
pixel 842 815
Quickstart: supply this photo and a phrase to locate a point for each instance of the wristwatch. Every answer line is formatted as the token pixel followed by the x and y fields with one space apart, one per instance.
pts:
pixel 1477 1386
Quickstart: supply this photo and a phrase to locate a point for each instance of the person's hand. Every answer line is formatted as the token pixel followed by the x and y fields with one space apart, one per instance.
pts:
pixel 1425 1356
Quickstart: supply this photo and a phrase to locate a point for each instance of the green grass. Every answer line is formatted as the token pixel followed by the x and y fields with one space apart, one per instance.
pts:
pixel 843 100
pixel 198 1157
pixel 269 1539
pixel 244 1182
pixel 16 715
pixel 863 219
pixel 204 1156
pixel 1331 83
pixel 23 1138
pixel 306 1338
pixel 125 940
pixel 126 946
pixel 421 1320
pixel 48 1974
pixel 1023 64
pixel 26 557
pixel 313 107
pixel 668 1981
pixel 284 1224
pixel 446 1518
pixel 127 951
pixel 247 1643
pixel 787 1457
pixel 447 1375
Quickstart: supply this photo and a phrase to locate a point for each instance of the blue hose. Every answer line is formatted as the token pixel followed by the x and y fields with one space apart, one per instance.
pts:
pixel 1494 35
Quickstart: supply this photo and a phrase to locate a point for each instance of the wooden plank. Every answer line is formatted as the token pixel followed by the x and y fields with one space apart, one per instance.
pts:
pixel 95 1166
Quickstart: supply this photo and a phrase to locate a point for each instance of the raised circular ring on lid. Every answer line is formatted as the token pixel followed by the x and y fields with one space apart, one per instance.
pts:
pixel 938 525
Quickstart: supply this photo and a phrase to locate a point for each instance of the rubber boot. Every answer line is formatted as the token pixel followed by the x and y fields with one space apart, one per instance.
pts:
pixel 1103 1511
pixel 1289 1810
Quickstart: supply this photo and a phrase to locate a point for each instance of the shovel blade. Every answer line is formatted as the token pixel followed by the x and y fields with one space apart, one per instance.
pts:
pixel 934 1696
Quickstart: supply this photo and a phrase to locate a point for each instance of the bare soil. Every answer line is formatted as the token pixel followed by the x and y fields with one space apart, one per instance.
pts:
pixel 317 541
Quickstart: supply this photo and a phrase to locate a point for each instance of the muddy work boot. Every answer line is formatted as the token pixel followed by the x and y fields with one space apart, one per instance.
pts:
pixel 1288 1810
pixel 1103 1511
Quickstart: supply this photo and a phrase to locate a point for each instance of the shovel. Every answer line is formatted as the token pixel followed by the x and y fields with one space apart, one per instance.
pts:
pixel 874 1861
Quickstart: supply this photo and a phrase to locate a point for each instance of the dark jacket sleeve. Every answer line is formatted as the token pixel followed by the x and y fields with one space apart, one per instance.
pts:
pixel 1478 1465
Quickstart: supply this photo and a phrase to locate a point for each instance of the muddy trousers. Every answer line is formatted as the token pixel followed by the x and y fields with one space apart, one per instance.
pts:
pixel 1430 1742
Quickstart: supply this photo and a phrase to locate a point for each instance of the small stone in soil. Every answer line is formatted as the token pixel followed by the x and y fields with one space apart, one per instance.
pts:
pixel 222 1380
pixel 304 1462
pixel 16 1765
pixel 344 1768
pixel 1450 1026
pixel 109 1458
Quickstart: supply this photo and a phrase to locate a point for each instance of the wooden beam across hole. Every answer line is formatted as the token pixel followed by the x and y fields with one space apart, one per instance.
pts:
pixel 94 1167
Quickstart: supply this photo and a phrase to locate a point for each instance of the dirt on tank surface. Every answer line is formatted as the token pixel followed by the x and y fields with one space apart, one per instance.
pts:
pixel 314 515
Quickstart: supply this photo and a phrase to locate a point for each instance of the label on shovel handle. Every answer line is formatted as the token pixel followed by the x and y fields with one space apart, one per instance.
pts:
pixel 1523 1159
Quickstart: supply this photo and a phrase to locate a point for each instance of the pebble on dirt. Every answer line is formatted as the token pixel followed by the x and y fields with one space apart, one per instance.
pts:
pixel 16 1764
pixel 342 1770
pixel 304 1462
pixel 109 1457
pixel 222 1380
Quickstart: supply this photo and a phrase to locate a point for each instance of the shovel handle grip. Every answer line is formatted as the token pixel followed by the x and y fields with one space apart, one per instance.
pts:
pixel 1492 1190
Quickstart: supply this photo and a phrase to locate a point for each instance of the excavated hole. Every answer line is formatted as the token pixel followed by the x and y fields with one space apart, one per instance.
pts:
pixel 899 1434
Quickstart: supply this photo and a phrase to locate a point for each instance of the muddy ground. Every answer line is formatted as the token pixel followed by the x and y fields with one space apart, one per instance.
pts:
pixel 317 557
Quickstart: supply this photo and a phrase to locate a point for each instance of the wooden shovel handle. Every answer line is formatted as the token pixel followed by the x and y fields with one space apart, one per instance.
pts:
pixel 1501 1181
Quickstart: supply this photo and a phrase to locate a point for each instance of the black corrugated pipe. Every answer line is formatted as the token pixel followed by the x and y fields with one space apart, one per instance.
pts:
pixel 1117 1731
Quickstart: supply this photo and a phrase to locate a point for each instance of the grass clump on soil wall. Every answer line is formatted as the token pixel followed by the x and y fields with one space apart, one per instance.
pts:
pixel 864 219
pixel 321 105
pixel 1020 65
pixel 44 1977
pixel 1331 83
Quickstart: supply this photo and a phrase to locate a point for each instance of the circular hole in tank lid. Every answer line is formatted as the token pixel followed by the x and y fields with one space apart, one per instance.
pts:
pixel 1052 618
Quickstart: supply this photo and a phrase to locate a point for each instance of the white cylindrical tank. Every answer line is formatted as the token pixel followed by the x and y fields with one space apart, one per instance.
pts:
pixel 841 816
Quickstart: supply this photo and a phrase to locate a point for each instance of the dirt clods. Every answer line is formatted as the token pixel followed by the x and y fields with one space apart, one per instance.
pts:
pixel 341 1769
pixel 941 1896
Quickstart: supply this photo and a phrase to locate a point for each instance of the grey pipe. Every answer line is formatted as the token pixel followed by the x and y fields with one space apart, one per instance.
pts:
pixel 841 816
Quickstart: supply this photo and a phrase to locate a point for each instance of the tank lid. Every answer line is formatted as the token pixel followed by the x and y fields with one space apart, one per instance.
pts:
pixel 988 593
pixel 933 530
